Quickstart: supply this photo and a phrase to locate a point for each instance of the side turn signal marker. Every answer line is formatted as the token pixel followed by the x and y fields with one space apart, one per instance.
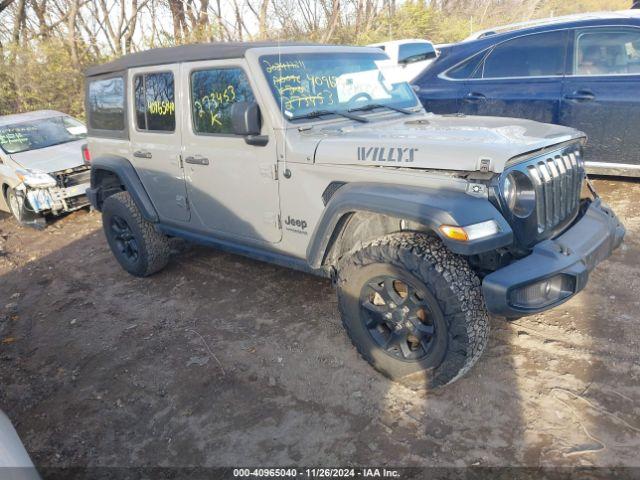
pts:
pixel 454 233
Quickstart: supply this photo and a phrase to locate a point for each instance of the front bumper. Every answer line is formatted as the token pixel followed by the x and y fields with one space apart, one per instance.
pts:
pixel 56 199
pixel 571 256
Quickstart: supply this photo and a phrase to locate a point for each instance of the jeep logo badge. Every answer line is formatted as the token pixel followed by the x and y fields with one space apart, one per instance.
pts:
pixel 387 154
pixel 296 225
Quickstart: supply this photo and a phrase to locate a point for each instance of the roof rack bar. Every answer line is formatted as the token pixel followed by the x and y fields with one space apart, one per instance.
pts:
pixel 545 21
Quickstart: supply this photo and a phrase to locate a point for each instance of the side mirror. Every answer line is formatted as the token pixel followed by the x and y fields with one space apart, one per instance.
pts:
pixel 246 121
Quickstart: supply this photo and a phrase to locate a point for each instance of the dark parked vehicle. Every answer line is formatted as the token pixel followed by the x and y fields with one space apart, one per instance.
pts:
pixel 579 71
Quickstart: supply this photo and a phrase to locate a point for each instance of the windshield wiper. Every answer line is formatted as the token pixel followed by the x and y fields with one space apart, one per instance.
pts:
pixel 321 113
pixel 373 106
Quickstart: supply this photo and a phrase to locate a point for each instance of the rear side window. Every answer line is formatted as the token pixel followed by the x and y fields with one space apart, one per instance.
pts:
pixel 539 55
pixel 213 93
pixel 607 52
pixel 106 104
pixel 466 69
pixel 155 102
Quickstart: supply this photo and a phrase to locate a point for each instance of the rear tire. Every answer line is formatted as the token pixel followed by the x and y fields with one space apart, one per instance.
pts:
pixel 413 309
pixel 139 248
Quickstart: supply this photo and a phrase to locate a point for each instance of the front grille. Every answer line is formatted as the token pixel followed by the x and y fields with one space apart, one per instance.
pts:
pixel 556 175
pixel 557 181
pixel 73 176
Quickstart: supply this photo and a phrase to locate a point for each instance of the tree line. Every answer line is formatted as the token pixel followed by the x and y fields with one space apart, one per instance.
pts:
pixel 46 44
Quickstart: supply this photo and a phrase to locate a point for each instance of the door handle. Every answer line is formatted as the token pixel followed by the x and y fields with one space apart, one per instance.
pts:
pixel 581 96
pixel 197 160
pixel 142 154
pixel 474 97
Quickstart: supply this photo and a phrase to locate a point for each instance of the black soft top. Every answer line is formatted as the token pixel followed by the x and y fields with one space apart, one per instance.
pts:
pixel 184 53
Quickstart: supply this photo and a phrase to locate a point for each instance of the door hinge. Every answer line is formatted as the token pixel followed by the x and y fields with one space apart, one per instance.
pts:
pixel 180 160
pixel 273 219
pixel 269 170
pixel 182 201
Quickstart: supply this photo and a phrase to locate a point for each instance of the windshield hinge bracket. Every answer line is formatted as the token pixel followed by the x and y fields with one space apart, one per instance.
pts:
pixel 485 165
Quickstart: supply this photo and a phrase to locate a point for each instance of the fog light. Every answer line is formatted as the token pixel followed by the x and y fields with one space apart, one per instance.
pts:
pixel 543 293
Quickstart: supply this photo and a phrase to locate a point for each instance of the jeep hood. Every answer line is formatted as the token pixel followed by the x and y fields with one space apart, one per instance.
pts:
pixel 52 159
pixel 439 142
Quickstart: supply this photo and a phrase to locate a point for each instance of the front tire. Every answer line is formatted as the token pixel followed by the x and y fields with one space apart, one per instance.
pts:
pixel 139 248
pixel 410 305
pixel 22 211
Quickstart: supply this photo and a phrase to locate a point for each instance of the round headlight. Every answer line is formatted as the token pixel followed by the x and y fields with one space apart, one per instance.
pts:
pixel 509 191
pixel 519 194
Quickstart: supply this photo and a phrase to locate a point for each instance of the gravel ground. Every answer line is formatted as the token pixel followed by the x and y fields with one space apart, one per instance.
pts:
pixel 221 360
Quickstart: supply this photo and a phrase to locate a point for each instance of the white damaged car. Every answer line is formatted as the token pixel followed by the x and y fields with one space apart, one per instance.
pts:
pixel 15 463
pixel 43 169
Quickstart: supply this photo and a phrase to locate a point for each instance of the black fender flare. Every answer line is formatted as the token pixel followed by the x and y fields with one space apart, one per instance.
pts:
pixel 427 206
pixel 124 170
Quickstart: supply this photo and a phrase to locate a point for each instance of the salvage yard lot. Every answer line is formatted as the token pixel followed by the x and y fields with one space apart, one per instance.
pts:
pixel 222 360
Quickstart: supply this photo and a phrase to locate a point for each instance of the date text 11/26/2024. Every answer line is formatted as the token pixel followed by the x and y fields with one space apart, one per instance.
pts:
pixel 316 472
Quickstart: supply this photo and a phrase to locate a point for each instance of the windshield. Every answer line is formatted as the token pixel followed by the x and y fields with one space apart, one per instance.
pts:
pixel 25 136
pixel 304 83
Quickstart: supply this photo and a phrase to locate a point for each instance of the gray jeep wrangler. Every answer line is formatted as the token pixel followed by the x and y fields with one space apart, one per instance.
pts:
pixel 307 157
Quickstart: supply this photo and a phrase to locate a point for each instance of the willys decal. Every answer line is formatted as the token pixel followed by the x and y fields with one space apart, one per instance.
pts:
pixel 387 154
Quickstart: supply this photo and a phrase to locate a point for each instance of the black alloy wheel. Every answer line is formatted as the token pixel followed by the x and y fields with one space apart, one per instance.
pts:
pixel 399 317
pixel 413 309
pixel 124 239
pixel 140 248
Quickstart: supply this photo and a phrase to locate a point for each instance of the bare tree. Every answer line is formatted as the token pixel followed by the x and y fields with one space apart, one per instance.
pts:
pixel 119 29
pixel 333 19
pixel 5 4
pixel 19 22
pixel 179 21
pixel 40 11
pixel 72 37
pixel 262 19
pixel 116 27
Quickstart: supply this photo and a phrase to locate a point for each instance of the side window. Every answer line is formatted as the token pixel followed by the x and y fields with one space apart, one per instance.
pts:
pixel 106 104
pixel 415 52
pixel 155 102
pixel 466 69
pixel 539 55
pixel 213 92
pixel 607 52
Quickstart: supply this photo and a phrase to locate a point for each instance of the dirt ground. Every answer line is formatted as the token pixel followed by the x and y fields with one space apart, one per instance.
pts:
pixel 221 360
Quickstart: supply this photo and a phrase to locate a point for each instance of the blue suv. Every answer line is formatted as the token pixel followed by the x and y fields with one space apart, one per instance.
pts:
pixel 580 71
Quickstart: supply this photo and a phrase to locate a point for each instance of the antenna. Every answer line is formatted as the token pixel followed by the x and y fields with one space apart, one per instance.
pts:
pixel 285 170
